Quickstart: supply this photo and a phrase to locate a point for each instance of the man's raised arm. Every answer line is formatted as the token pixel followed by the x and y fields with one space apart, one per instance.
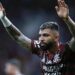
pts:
pixel 13 31
pixel 63 12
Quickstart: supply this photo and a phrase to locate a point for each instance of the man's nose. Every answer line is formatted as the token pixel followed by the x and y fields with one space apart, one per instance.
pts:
pixel 41 38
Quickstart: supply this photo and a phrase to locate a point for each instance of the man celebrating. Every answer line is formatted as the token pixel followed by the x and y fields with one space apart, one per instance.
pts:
pixel 56 59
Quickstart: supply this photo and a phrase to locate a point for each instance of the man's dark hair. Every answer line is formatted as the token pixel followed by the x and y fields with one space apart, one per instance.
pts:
pixel 14 62
pixel 49 25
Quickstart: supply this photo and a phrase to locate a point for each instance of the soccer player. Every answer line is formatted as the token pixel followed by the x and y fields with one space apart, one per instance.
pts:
pixel 56 58
pixel 13 67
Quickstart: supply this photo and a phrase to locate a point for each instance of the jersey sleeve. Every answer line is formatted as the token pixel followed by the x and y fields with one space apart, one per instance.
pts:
pixel 35 46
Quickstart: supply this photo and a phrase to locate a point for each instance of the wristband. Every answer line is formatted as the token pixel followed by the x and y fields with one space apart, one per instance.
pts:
pixel 1 14
pixel 6 22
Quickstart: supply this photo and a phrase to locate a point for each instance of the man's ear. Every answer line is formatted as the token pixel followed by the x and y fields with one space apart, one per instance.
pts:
pixel 57 37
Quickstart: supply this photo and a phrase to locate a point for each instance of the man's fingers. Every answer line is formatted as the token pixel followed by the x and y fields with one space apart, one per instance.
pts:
pixel 61 3
pixel 2 9
pixel 57 8
pixel 1 5
pixel 58 2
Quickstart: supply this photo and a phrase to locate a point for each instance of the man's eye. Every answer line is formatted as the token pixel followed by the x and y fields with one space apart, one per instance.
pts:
pixel 45 35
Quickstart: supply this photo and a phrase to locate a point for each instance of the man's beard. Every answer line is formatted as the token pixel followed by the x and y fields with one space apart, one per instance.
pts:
pixel 47 46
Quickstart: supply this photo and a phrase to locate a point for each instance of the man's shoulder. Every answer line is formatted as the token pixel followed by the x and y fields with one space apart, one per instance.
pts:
pixel 66 50
pixel 35 46
pixel 63 46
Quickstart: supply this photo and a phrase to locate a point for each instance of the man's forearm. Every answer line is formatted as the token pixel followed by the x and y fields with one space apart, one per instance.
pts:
pixel 71 25
pixel 16 34
pixel 11 29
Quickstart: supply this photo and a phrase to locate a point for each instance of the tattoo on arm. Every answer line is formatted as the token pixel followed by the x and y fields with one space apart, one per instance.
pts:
pixel 13 32
pixel 71 25
pixel 19 37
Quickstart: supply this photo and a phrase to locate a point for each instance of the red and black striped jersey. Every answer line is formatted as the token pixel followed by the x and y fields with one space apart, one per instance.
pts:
pixel 62 62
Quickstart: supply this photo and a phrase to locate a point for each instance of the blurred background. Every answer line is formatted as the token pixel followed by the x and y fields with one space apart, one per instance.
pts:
pixel 28 15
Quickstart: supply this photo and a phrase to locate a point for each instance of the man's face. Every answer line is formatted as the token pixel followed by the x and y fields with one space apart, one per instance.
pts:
pixel 46 38
pixel 10 69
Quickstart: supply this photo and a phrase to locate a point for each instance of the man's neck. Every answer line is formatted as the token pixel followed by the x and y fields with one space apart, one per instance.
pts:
pixel 55 48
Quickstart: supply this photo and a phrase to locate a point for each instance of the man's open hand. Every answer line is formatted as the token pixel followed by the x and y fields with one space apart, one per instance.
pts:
pixel 2 11
pixel 62 9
